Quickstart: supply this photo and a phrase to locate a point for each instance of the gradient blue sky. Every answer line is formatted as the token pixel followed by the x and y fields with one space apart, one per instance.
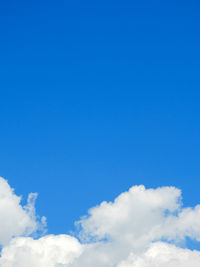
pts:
pixel 97 96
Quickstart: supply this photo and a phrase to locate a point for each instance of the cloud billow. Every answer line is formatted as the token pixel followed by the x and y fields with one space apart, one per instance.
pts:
pixel 140 228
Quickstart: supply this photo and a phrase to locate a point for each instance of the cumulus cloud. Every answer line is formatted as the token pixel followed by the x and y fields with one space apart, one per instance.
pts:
pixel 48 251
pixel 140 228
pixel 165 255
pixel 16 220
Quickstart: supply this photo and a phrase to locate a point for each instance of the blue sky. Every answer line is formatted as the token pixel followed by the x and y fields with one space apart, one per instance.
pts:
pixel 97 97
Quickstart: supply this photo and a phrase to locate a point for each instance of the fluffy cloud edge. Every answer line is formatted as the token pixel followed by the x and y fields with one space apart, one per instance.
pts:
pixel 17 220
pixel 127 232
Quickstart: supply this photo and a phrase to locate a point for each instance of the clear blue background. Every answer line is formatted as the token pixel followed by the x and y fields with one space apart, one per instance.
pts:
pixel 97 96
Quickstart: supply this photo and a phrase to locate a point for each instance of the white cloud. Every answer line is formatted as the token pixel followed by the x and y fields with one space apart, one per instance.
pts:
pixel 48 251
pixel 165 255
pixel 16 220
pixel 128 232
